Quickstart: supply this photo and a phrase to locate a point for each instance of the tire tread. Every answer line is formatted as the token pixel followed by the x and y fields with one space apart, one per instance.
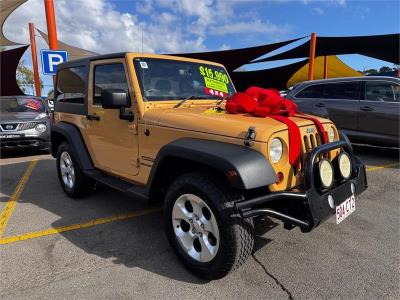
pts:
pixel 83 184
pixel 240 232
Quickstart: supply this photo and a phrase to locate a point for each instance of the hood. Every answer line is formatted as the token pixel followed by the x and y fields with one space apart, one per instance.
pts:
pixel 18 116
pixel 204 119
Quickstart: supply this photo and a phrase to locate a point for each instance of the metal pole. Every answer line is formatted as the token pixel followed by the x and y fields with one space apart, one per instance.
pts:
pixel 313 42
pixel 51 26
pixel 325 67
pixel 34 60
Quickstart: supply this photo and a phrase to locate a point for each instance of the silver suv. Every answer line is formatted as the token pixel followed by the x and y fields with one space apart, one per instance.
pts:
pixel 24 123
pixel 366 109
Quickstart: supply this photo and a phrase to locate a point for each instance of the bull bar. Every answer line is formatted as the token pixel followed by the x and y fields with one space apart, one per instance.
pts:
pixel 310 208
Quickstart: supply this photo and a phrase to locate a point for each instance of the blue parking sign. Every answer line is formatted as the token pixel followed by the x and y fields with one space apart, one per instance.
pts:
pixel 50 60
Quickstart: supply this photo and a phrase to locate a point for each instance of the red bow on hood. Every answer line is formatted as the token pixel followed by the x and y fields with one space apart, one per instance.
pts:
pixel 269 103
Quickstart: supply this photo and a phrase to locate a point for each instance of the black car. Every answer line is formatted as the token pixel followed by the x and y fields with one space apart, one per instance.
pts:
pixel 366 109
pixel 24 123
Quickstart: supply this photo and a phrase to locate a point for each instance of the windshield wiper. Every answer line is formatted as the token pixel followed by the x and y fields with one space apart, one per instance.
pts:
pixel 189 98
pixel 221 100
pixel 184 100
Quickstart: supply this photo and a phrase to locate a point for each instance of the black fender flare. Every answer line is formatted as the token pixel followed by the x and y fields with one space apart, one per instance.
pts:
pixel 252 169
pixel 75 140
pixel 345 138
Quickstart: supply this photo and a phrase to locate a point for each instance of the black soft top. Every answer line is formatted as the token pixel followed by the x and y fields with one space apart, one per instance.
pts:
pixel 87 60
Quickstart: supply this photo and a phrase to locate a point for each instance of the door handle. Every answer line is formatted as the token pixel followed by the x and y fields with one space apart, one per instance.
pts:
pixel 320 104
pixel 93 117
pixel 366 108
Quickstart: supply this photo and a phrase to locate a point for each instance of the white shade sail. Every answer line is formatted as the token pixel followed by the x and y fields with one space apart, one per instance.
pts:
pixel 73 52
pixel 6 8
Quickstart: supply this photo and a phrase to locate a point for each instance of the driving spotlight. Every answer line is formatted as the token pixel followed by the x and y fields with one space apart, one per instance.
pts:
pixel 344 165
pixel 326 173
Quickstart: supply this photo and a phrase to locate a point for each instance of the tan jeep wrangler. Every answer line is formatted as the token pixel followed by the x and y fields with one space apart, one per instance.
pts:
pixel 154 127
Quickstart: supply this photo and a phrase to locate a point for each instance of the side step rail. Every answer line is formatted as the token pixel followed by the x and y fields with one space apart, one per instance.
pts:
pixel 128 188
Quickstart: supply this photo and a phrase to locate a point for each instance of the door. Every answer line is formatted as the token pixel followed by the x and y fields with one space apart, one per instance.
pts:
pixel 379 109
pixel 112 142
pixel 341 101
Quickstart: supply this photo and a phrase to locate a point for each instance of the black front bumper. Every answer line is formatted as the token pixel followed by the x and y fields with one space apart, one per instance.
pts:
pixel 310 208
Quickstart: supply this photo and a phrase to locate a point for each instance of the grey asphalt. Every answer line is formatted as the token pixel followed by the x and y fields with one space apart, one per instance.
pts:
pixel 358 259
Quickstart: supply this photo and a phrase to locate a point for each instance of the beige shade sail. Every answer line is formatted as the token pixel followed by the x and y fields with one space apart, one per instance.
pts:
pixel 6 8
pixel 73 52
pixel 335 68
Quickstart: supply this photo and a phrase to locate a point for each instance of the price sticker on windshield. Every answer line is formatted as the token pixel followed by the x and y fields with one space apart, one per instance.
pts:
pixel 214 79
pixel 215 93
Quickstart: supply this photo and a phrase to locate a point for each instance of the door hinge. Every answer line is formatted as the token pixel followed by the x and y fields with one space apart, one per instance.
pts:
pixel 133 128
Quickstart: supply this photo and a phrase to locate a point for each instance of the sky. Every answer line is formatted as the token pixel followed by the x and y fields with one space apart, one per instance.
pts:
pixel 173 26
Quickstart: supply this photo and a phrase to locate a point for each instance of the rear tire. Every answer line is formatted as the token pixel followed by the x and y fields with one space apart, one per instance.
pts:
pixel 74 183
pixel 225 240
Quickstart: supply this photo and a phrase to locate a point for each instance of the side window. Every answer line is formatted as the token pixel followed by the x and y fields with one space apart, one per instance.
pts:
pixel 381 91
pixel 108 76
pixel 71 85
pixel 342 90
pixel 313 91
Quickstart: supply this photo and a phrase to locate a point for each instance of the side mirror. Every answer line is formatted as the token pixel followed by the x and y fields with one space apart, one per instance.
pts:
pixel 114 98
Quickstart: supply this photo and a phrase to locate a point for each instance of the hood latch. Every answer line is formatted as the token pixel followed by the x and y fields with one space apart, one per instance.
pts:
pixel 250 136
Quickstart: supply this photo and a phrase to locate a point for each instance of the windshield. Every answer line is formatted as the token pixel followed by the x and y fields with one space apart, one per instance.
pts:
pixel 11 105
pixel 163 79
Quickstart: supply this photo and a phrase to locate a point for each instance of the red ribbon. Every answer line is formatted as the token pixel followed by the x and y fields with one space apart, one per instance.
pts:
pixel 269 103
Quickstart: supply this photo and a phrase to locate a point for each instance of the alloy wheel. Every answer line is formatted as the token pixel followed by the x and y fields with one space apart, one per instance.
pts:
pixel 195 227
pixel 67 170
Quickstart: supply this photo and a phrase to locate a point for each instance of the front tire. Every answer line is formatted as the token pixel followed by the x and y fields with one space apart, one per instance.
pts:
pixel 204 228
pixel 74 183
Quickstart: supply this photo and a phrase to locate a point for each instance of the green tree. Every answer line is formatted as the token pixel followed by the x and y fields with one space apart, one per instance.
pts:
pixel 25 79
pixel 370 72
pixel 382 69
pixel 385 69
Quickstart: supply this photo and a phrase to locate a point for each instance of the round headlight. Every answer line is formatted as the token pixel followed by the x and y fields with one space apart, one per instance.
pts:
pixel 331 135
pixel 326 173
pixel 344 165
pixel 275 150
pixel 41 128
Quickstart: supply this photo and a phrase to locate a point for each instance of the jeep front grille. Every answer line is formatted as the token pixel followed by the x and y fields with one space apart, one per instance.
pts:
pixel 311 141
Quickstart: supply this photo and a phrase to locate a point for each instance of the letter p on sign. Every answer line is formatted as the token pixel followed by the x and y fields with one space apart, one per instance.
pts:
pixel 50 60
